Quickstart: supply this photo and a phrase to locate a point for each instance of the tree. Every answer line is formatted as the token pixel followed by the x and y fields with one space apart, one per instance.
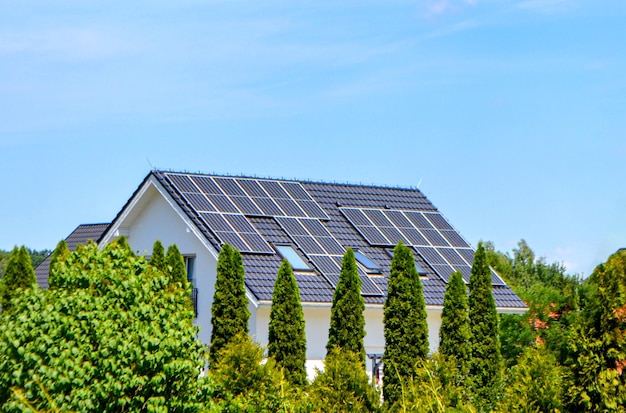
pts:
pixel 109 337
pixel 454 334
pixel 347 322
pixel 176 265
pixel 229 311
pixel 157 259
pixel 18 274
pixel 60 253
pixel 597 343
pixel 406 330
pixel 287 339
pixel 486 361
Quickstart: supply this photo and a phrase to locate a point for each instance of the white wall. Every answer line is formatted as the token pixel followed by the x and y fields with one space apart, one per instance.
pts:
pixel 159 220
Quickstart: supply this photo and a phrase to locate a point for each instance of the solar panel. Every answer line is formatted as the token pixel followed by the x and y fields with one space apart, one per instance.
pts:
pixel 315 227
pixel 275 190
pixel 198 201
pixel 443 271
pixel 331 245
pixel 183 183
pixel 438 220
pixel 325 264
pixel 233 239
pixel 292 226
pixel 435 238
pixel 216 222
pixel 398 219
pixel 466 271
pixel 418 220
pixel 236 230
pixel 312 209
pixel 374 236
pixel 356 217
pixel 229 186
pixel 268 206
pixel 495 279
pixel 430 255
pixel 297 191
pixel 378 218
pixel 246 205
pixel 256 243
pixel 290 207
pixel 223 203
pixel 393 235
pixel 468 254
pixel 414 236
pixel 451 256
pixel 308 244
pixel 252 188
pixel 207 185
pixel 454 238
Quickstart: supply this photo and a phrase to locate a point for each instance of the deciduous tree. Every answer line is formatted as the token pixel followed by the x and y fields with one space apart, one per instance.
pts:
pixel 287 339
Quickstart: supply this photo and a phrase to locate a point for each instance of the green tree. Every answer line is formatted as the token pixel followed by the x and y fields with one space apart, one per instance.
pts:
pixel 347 322
pixel 534 384
pixel 341 387
pixel 176 266
pixel 18 275
pixel 157 259
pixel 486 361
pixel 229 311
pixel 454 334
pixel 60 253
pixel 110 337
pixel 597 343
pixel 287 339
pixel 406 330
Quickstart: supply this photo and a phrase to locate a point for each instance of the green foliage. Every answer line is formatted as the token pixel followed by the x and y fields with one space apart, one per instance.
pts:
pixel 176 266
pixel 486 362
pixel 406 330
pixel 18 275
pixel 343 386
pixel 454 334
pixel 37 256
pixel 347 322
pixel 109 337
pixel 287 339
pixel 243 382
pixel 60 253
pixel 229 311
pixel 157 258
pixel 426 392
pixel 597 344
pixel 535 384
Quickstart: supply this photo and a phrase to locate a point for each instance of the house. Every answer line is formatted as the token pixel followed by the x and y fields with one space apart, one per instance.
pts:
pixel 310 224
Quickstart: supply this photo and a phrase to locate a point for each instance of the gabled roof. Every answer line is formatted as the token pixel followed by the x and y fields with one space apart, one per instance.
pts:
pixel 320 221
pixel 80 235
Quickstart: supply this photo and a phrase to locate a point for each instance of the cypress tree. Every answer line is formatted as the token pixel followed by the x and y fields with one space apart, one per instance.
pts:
pixel 486 362
pixel 454 335
pixel 406 330
pixel 60 252
pixel 229 311
pixel 176 265
pixel 157 259
pixel 18 273
pixel 347 323
pixel 287 339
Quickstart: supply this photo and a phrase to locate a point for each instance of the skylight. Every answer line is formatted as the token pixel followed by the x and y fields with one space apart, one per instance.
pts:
pixel 369 265
pixel 288 253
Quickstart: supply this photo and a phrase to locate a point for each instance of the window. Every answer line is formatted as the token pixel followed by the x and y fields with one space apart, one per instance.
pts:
pixel 190 260
pixel 420 270
pixel 369 265
pixel 288 253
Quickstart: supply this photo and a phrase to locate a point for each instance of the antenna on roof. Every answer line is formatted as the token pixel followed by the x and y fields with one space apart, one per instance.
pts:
pixel 419 183
pixel 148 160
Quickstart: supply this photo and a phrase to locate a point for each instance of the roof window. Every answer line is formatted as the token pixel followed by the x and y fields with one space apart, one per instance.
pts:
pixel 369 265
pixel 288 253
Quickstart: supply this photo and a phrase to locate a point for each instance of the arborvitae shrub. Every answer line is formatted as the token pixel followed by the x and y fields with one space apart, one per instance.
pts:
pixel 18 274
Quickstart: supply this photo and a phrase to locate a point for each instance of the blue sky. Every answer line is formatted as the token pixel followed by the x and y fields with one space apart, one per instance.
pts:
pixel 510 115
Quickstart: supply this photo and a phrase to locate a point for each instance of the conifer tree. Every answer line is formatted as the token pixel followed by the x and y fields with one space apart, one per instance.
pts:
pixel 157 259
pixel 454 335
pixel 60 252
pixel 287 339
pixel 486 362
pixel 406 330
pixel 18 273
pixel 229 311
pixel 176 265
pixel 347 322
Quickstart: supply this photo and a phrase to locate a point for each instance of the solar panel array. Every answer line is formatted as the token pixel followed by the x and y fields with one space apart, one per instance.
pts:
pixel 224 202
pixel 323 250
pixel 428 232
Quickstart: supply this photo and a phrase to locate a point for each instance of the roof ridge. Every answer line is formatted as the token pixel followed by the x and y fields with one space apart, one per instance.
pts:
pixel 304 181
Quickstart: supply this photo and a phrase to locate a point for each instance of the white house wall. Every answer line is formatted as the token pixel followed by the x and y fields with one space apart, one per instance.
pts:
pixel 159 220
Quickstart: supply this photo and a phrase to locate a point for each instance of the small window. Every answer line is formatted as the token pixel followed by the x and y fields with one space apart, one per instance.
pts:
pixel 420 270
pixel 369 265
pixel 288 253
pixel 189 264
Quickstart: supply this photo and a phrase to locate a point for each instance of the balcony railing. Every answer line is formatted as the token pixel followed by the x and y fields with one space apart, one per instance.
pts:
pixel 194 300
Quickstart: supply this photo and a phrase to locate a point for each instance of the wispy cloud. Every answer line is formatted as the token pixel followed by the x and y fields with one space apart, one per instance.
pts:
pixel 443 7
pixel 546 6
